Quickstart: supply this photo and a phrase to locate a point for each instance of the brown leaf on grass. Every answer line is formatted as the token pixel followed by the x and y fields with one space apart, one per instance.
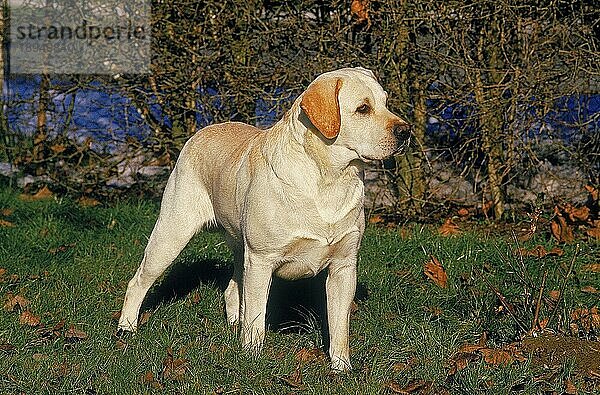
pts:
pixel 585 319
pixel 577 214
pixel 2 271
pixel 468 353
pixel 196 297
pixel 7 212
pixel 294 379
pixel 149 379
pixel 461 360
pixel 570 388
pixel 594 232
pixel 402 366
pixel 449 228
pixel 435 271
pixel 360 10
pixel 74 335
pixel 594 193
pixel 591 267
pixel 29 319
pixel 496 357
pixel 540 252
pixel 376 219
pixel 7 347
pixel 61 248
pixel 463 212
pixel 6 224
pixel 42 194
pixel 14 301
pixel 589 290
pixel 174 368
pixel 88 202
pixel 561 230
pixel 309 355
pixel 413 387
pixel 65 369
pixel 144 318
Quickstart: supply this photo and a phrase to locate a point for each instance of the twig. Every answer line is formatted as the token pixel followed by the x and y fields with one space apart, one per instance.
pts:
pixel 539 303
pixel 564 284
pixel 504 302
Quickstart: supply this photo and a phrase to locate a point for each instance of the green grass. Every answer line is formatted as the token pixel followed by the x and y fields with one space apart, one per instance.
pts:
pixel 73 263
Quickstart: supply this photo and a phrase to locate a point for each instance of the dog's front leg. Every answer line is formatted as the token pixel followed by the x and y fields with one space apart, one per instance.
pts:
pixel 340 288
pixel 255 292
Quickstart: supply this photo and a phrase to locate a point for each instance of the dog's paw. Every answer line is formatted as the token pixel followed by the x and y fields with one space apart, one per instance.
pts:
pixel 123 333
pixel 339 365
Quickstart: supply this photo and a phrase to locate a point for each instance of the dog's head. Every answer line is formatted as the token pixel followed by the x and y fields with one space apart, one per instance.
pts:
pixel 347 107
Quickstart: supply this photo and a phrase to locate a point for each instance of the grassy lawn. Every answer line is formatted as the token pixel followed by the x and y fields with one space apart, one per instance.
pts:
pixel 64 269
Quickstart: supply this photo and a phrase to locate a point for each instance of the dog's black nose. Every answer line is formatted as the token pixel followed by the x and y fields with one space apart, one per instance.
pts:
pixel 402 131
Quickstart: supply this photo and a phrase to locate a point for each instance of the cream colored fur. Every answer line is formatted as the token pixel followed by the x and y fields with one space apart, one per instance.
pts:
pixel 289 199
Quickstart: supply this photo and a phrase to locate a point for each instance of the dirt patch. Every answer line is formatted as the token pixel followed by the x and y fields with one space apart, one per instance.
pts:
pixel 549 350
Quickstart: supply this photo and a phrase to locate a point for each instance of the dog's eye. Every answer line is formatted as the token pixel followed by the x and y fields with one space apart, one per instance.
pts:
pixel 363 109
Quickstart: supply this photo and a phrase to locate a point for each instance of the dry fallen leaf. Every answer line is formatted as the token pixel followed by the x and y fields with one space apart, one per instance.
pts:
pixel 496 357
pixel 592 267
pixel 554 295
pixel 7 347
pixel 460 360
pixel 589 289
pixel 561 230
pixel 88 202
pixel 149 379
pixel 62 248
pixel 144 318
pixel 463 212
pixel 585 319
pixel 540 252
pixel 7 212
pixel 294 380
pixel 413 387
pixel 174 368
pixel 449 228
pixel 376 219
pixel 309 355
pixel 360 9
pixel 6 224
pixel 14 301
pixel 593 232
pixel 28 318
pixel 577 214
pixel 42 194
pixel 594 193
pixel 435 271
pixel 570 388
pixel 73 334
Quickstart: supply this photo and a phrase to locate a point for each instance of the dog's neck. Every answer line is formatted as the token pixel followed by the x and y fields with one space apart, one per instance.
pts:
pixel 295 134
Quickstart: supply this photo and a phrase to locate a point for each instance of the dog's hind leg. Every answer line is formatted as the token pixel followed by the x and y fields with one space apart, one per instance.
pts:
pixel 185 208
pixel 233 292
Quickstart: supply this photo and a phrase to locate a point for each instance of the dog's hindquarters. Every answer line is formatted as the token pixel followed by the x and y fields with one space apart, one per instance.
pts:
pixel 185 208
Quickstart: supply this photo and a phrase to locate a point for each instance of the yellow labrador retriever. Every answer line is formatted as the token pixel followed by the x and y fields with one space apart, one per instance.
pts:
pixel 290 199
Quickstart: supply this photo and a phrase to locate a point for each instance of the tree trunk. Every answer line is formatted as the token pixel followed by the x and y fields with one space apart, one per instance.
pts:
pixel 41 134
pixel 491 103
pixel 410 177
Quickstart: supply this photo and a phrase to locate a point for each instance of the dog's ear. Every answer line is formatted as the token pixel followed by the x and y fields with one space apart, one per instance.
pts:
pixel 321 104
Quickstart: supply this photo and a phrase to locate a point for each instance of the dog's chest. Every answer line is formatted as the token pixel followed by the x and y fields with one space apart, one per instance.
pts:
pixel 306 257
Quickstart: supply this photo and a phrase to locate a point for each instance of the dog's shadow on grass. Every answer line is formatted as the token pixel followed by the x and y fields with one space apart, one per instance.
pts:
pixel 294 306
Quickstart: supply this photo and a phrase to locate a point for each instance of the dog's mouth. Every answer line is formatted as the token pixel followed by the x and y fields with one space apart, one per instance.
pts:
pixel 398 150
